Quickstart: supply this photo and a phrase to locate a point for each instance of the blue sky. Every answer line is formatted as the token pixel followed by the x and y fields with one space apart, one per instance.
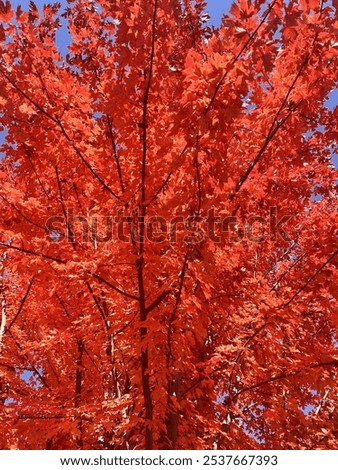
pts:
pixel 216 8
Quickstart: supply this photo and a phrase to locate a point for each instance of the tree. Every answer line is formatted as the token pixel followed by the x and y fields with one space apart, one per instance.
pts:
pixel 168 245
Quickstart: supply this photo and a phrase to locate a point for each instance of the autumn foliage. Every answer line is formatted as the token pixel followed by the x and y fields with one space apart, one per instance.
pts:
pixel 168 243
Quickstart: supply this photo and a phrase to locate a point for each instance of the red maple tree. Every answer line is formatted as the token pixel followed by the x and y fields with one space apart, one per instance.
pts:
pixel 168 242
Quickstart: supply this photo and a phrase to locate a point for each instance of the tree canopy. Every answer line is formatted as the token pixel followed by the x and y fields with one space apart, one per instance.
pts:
pixel 168 244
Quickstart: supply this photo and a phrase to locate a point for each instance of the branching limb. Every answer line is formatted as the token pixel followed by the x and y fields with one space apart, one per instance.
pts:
pixel 22 303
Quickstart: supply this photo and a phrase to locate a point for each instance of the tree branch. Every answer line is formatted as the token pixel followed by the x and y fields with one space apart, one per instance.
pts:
pixel 58 260
pixel 60 125
pixel 22 303
pixel 112 286
pixel 173 315
pixel 86 163
pixel 116 157
pixel 31 252
pixel 218 86
pixel 144 359
pixel 311 279
pixel 251 37
pixel 157 301
pixel 287 271
pixel 22 214
pixel 69 228
pixel 286 376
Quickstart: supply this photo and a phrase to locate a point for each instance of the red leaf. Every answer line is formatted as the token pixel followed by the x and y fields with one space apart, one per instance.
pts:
pixel 6 11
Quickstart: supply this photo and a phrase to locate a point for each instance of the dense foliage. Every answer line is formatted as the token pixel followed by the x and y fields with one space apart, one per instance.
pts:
pixel 168 243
